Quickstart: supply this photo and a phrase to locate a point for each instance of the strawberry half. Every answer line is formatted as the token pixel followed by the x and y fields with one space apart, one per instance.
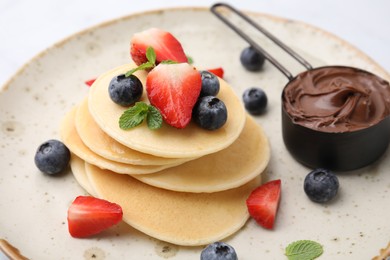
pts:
pixel 217 72
pixel 263 203
pixel 88 216
pixel 166 46
pixel 174 89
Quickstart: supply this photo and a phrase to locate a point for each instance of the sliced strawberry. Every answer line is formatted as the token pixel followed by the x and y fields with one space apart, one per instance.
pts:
pixel 174 89
pixel 166 46
pixel 217 72
pixel 263 203
pixel 88 216
pixel 89 82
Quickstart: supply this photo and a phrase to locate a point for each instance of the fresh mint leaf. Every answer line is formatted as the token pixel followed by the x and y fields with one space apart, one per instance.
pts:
pixel 150 64
pixel 190 60
pixel 143 66
pixel 154 118
pixel 169 62
pixel 130 72
pixel 151 55
pixel 303 250
pixel 136 114
pixel 133 116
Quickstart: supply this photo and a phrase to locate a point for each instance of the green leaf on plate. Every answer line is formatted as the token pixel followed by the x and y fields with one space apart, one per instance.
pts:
pixel 303 250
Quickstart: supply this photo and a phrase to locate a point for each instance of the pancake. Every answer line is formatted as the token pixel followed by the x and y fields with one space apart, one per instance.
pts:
pixel 102 144
pixel 78 169
pixel 188 219
pixel 72 140
pixel 190 142
pixel 246 158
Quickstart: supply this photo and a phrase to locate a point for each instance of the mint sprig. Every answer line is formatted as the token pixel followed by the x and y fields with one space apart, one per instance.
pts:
pixel 150 64
pixel 136 114
pixel 151 55
pixel 190 60
pixel 169 62
pixel 303 250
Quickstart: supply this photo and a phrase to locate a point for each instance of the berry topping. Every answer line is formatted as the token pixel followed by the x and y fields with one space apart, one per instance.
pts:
pixel 255 100
pixel 166 46
pixel 52 157
pixel 125 91
pixel 251 59
pixel 217 72
pixel 88 216
pixel 263 203
pixel 89 82
pixel 210 113
pixel 210 84
pixel 321 185
pixel 218 251
pixel 174 89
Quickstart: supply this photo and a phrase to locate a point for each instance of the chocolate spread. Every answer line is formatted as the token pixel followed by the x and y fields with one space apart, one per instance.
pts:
pixel 337 99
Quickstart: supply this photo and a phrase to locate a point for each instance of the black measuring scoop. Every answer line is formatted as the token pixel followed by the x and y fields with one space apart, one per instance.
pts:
pixel 336 117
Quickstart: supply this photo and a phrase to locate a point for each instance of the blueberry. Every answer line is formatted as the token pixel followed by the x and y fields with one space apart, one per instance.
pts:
pixel 218 251
pixel 321 185
pixel 209 113
pixel 255 100
pixel 251 59
pixel 125 91
pixel 210 84
pixel 52 157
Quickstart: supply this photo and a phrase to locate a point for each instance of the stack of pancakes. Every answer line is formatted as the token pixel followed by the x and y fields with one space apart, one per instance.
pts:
pixel 184 186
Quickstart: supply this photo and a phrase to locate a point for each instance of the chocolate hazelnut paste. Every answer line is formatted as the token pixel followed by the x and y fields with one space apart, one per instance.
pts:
pixel 337 99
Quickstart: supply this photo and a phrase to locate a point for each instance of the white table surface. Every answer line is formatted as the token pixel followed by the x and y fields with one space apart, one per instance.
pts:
pixel 28 27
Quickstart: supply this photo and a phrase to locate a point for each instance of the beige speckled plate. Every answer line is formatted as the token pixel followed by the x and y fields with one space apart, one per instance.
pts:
pixel 33 206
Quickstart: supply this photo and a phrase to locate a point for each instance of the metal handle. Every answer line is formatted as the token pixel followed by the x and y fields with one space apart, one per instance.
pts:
pixel 214 9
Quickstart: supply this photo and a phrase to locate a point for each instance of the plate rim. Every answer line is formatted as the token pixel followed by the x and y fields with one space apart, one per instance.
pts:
pixel 109 22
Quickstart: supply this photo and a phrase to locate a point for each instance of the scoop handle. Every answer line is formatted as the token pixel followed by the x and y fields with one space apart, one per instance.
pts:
pixel 215 10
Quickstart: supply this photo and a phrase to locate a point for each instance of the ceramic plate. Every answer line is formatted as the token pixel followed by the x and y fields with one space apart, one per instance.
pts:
pixel 33 206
